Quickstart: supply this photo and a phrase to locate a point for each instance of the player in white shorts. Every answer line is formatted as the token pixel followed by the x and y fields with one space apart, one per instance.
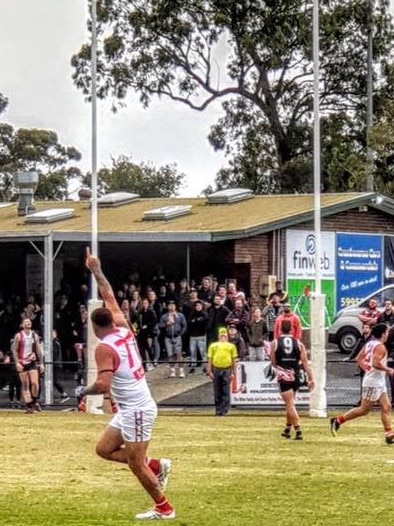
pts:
pixel 372 359
pixel 120 371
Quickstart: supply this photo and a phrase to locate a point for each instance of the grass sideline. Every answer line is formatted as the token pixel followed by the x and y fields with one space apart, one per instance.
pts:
pixel 234 471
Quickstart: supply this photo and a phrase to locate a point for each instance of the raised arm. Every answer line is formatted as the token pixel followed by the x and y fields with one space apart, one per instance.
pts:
pixel 105 289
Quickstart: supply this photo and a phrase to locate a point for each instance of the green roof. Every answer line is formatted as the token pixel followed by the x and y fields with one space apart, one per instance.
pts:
pixel 205 222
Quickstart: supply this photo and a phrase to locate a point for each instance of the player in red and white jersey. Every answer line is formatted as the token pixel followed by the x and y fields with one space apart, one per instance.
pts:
pixel 28 357
pixel 373 360
pixel 120 371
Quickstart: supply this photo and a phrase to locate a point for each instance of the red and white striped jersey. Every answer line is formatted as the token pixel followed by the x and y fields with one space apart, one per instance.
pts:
pixel 26 347
pixel 128 387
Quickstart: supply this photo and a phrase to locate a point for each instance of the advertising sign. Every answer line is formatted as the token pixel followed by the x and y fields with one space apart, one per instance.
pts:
pixel 298 293
pixel 254 385
pixel 301 268
pixel 388 260
pixel 300 254
pixel 359 267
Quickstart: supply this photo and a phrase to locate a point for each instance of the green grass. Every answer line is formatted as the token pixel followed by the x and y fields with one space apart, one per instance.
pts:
pixel 226 472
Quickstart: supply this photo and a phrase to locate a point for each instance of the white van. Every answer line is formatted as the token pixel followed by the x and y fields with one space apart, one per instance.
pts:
pixel 345 330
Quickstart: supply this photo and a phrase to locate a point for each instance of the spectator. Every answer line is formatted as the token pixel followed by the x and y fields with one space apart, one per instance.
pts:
pixel 146 324
pixel 171 294
pixel 236 338
pixel 174 326
pixel 271 311
pixel 206 292
pixel 57 368
pixel 256 333
pixel 231 293
pixel 158 338
pixel 239 317
pixel 216 318
pixel 222 357
pixel 371 313
pixel 295 323
pixel 188 306
pixel 197 330
pixel 280 292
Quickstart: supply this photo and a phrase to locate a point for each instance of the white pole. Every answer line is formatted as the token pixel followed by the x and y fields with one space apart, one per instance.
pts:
pixel 48 318
pixel 93 403
pixel 318 400
pixel 94 217
pixel 370 163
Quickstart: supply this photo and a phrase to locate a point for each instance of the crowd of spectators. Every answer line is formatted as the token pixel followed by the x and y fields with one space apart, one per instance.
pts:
pixel 173 321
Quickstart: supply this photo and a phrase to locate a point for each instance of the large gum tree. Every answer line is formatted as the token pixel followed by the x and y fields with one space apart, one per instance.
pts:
pixel 255 57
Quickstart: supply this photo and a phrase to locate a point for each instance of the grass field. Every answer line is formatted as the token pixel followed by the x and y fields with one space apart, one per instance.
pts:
pixel 234 471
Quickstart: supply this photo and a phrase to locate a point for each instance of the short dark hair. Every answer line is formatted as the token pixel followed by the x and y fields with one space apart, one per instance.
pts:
pixel 378 330
pixel 102 317
pixel 286 326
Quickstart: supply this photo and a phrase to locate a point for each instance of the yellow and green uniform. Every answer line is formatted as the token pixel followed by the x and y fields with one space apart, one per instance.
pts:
pixel 222 354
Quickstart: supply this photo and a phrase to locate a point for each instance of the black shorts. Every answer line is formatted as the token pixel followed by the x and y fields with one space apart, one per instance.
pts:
pixel 287 386
pixel 32 366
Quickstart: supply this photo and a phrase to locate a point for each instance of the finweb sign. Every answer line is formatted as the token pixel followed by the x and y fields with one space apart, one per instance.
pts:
pixel 301 254
pixel 301 267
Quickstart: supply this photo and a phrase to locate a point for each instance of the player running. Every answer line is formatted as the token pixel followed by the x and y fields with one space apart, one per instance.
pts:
pixel 120 370
pixel 373 360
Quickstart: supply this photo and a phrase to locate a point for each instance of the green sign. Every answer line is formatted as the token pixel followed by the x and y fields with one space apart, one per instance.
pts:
pixel 298 297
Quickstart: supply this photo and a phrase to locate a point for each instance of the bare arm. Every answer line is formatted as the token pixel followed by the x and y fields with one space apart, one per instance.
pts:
pixel 14 350
pixel 105 371
pixel 272 354
pixel 305 365
pixel 94 265
pixel 378 357
pixel 39 353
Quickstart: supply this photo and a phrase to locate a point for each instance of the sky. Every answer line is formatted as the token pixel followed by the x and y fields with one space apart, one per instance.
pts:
pixel 37 40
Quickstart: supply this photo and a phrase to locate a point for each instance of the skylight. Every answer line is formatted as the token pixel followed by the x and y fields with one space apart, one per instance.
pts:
pixel 50 216
pixel 230 195
pixel 167 212
pixel 5 205
pixel 116 199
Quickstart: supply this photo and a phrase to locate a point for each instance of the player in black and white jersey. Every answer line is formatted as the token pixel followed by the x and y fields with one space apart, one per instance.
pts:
pixel 288 356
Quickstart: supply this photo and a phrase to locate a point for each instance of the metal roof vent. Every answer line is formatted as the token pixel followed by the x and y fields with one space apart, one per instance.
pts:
pixel 230 195
pixel 167 212
pixel 27 183
pixel 116 199
pixel 50 216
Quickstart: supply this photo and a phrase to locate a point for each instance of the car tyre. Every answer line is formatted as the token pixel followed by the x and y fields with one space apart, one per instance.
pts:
pixel 348 339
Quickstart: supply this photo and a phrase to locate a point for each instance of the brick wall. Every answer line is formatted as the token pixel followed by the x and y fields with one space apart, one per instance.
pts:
pixel 256 252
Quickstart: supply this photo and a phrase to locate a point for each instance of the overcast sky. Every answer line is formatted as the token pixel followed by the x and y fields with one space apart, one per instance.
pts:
pixel 37 40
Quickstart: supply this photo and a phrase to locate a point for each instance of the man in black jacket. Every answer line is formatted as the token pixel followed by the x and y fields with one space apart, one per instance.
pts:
pixel 197 329
pixel 216 318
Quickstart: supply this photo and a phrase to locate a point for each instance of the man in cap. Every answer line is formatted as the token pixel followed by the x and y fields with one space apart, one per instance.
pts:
pixel 222 356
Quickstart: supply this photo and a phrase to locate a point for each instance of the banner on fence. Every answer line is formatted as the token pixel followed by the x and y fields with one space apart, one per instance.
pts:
pixel 253 385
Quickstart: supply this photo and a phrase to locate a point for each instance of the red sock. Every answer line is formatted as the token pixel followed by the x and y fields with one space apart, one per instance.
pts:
pixel 154 465
pixel 341 419
pixel 163 505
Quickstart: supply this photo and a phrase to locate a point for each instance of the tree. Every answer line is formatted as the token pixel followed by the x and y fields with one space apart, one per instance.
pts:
pixel 172 48
pixel 143 179
pixel 35 150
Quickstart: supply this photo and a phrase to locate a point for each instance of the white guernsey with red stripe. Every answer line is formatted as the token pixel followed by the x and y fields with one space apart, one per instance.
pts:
pixel 128 388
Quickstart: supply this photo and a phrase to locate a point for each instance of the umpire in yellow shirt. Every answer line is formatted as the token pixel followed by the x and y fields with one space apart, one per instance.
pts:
pixel 222 356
